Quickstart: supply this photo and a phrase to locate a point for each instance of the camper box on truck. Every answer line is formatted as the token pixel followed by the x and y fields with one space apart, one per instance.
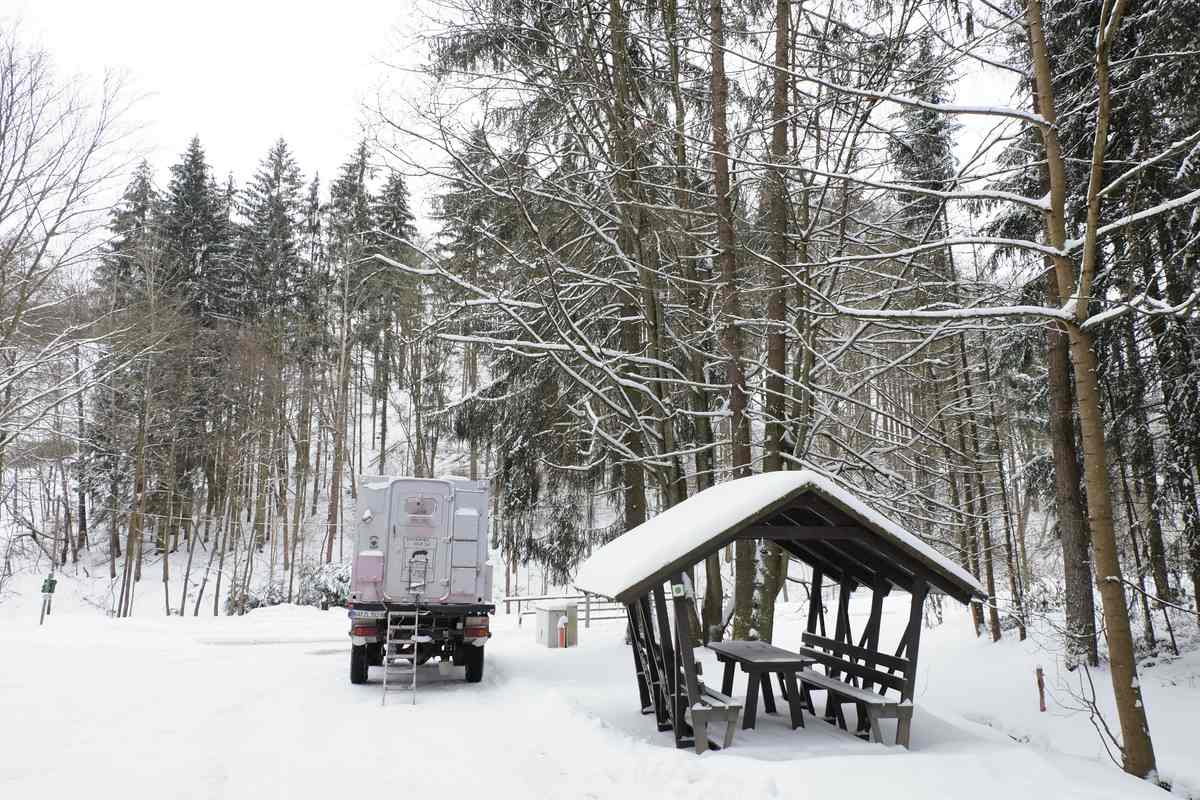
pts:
pixel 421 552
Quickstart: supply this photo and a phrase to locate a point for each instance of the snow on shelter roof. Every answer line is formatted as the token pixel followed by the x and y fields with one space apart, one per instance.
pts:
pixel 684 534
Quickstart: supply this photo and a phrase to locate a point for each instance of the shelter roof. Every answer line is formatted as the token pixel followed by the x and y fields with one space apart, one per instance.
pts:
pixel 816 520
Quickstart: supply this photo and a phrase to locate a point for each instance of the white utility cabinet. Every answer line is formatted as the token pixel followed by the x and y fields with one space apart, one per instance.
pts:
pixel 550 618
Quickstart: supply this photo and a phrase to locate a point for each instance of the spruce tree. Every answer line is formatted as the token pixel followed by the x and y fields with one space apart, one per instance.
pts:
pixel 191 229
pixel 120 282
pixel 273 207
pixel 134 219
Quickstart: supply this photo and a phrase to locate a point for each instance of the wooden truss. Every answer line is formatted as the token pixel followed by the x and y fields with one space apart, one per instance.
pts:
pixel 668 675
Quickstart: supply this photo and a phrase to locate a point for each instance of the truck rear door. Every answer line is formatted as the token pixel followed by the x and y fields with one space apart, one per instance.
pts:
pixel 419 548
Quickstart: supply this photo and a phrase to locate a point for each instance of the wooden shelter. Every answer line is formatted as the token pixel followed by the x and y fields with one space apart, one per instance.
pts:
pixel 828 528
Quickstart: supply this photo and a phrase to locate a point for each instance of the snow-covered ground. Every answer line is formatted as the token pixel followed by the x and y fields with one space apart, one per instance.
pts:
pixel 260 706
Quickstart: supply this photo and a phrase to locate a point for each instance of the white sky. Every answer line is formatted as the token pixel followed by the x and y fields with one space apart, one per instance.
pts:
pixel 242 73
pixel 239 74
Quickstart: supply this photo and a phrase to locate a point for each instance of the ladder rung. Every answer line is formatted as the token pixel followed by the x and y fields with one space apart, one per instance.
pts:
pixel 405 627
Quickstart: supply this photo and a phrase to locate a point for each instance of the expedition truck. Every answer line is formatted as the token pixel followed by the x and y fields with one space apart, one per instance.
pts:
pixel 420 582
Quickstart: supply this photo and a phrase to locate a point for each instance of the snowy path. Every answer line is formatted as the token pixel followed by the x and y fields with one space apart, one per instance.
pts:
pixel 261 707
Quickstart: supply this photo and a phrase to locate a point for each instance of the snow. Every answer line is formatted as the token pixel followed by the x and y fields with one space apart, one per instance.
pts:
pixel 704 517
pixel 260 706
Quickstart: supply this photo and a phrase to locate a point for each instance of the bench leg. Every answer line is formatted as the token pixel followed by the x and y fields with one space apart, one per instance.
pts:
pixel 863 715
pixel 834 713
pixel 832 708
pixel 903 725
pixel 806 697
pixel 783 689
pixel 873 716
pixel 731 718
pixel 727 679
pixel 768 695
pixel 795 701
pixel 700 729
pixel 751 710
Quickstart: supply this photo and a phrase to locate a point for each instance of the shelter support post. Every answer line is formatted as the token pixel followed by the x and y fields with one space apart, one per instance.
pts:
pixel 916 611
pixel 676 692
pixel 640 666
pixel 653 661
pixel 682 606
pixel 870 641
pixel 816 610
pixel 841 633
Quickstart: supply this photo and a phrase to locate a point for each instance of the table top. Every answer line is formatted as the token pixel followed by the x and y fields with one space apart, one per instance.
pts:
pixel 759 653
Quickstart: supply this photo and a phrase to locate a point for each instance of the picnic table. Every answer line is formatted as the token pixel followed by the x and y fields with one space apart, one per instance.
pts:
pixel 760 660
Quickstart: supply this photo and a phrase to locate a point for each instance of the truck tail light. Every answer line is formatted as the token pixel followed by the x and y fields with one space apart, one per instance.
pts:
pixel 476 627
pixel 363 630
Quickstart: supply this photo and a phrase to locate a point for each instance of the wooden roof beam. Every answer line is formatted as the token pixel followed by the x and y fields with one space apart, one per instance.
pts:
pixel 802 533
pixel 918 567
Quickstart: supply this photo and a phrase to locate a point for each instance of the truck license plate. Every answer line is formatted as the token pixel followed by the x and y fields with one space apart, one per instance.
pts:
pixel 356 614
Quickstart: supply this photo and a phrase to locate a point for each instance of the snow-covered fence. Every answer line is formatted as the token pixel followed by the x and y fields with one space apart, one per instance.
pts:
pixel 595 609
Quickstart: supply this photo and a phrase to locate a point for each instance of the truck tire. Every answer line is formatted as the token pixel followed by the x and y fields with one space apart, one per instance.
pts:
pixel 358 663
pixel 473 660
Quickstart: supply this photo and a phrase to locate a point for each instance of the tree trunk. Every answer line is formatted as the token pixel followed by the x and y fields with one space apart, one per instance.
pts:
pixel 339 430
pixel 1142 464
pixel 774 403
pixel 1014 574
pixel 136 518
pixel 633 471
pixel 81 515
pixel 303 447
pixel 730 316
pixel 698 398
pixel 985 524
pixel 1131 518
pixel 1138 748
pixel 1173 354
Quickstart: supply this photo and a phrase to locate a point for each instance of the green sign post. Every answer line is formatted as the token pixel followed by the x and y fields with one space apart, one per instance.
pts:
pixel 47 595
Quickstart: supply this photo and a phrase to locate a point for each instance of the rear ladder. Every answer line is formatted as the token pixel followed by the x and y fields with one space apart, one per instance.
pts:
pixel 404 630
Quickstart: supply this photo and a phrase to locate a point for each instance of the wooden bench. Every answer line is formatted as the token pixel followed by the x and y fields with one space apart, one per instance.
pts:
pixel 760 660
pixel 713 707
pixel 863 670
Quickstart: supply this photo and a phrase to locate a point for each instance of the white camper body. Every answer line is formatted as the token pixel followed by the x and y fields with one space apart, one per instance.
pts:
pixel 420 582
pixel 421 537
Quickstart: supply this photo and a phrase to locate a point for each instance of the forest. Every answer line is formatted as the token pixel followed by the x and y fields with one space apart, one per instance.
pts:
pixel 668 243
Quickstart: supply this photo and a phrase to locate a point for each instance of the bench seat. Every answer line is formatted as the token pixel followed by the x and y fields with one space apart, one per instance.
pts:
pixel 854 669
pixel 713 707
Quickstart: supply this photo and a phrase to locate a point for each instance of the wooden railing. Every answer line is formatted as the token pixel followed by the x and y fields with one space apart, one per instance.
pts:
pixel 593 607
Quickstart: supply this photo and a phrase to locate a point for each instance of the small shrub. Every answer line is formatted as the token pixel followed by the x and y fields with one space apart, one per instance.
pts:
pixel 324 585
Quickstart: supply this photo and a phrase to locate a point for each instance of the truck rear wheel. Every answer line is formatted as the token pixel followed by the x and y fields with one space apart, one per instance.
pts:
pixel 358 663
pixel 472 659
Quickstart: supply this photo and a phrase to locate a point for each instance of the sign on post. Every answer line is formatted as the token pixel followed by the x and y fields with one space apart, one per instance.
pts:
pixel 47 595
